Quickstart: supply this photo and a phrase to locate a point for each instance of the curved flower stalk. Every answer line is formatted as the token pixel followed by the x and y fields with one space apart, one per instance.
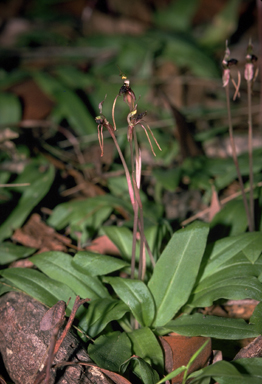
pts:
pixel 227 64
pixel 250 75
pixel 103 123
pixel 133 119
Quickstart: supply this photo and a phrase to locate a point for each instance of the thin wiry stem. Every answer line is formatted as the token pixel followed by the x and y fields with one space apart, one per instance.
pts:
pixel 142 256
pixel 234 154
pixel 250 155
pixel 136 183
pixel 128 177
pixel 135 207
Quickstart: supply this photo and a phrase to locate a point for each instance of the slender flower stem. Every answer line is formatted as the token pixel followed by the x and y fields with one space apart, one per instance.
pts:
pixel 135 207
pixel 234 154
pixel 128 177
pixel 250 155
pixel 137 183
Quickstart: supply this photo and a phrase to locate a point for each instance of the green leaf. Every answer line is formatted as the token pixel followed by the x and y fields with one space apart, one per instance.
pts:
pixel 155 236
pixel 31 173
pixel 146 346
pixel 233 288
pixel 142 369
pixel 122 237
pixel 96 264
pixel 75 111
pixel 11 252
pixel 250 368
pixel 230 221
pixel 237 266
pixel 74 77
pixel 71 106
pixel 136 296
pixel 10 109
pixel 244 371
pixel 58 266
pixel 6 286
pixel 256 318
pixel 209 326
pixel 81 216
pixel 110 351
pixel 100 313
pixel 219 283
pixel 223 25
pixel 219 369
pixel 176 270
pixel 39 286
pixel 177 15
pixel 31 196
pixel 169 179
pixel 180 49
pixel 253 251
pixel 223 250
pixel 172 374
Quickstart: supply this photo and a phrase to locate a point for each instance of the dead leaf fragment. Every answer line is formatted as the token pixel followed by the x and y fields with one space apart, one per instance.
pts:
pixel 36 234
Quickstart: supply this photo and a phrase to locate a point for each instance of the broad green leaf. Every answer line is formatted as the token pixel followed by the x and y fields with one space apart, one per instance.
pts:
pixel 11 252
pixel 89 213
pixel 256 318
pixel 155 235
pixel 225 171
pixel 176 270
pixel 58 266
pixel 233 288
pixel 81 216
pixel 230 221
pixel 235 267
pixel 31 196
pixel 253 251
pixel 142 369
pixel 169 179
pixel 180 49
pixel 110 351
pixel 122 237
pixel 7 286
pixel 74 77
pixel 221 251
pixel 217 370
pixel 136 295
pixel 4 177
pixel 209 326
pixel 39 286
pixel 250 367
pixel 244 371
pixel 31 173
pixel 177 15
pixel 100 313
pixel 13 77
pixel 75 111
pixel 10 109
pixel 71 106
pixel 96 264
pixel 224 24
pixel 143 343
